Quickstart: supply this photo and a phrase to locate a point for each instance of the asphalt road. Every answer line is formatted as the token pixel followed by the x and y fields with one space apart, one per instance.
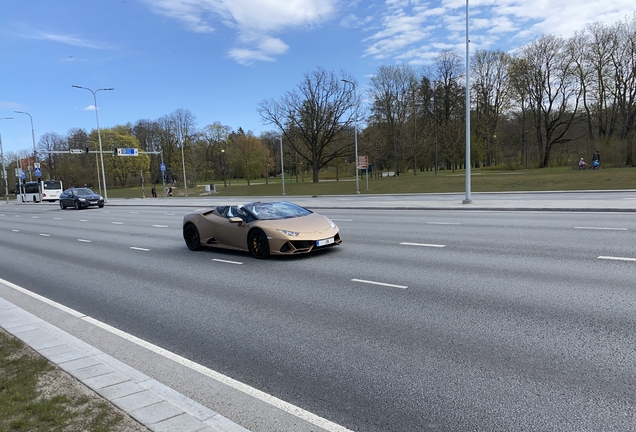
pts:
pixel 421 320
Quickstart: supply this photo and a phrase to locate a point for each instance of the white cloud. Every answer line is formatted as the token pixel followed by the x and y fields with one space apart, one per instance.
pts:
pixel 411 30
pixel 254 20
pixel 63 39
pixel 89 108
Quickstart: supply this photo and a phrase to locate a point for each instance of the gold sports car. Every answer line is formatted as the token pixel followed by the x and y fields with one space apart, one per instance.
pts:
pixel 262 228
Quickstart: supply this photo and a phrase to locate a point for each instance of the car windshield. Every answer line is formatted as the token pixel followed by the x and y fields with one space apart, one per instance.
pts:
pixel 83 191
pixel 276 210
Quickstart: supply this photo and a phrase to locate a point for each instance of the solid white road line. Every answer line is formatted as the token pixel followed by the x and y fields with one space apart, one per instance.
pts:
pixel 255 393
pixel 597 228
pixel 379 283
pixel 423 244
pixel 616 258
pixel 160 226
pixel 82 240
pixel 443 223
pixel 139 249
pixel 226 261
pixel 45 235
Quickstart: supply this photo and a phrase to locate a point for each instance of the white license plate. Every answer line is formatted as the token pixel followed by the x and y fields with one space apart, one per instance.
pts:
pixel 324 242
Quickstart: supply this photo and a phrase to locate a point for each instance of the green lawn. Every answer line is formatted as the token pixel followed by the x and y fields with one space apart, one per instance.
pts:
pixel 482 180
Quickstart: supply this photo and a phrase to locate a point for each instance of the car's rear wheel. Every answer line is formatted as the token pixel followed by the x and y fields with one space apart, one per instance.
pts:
pixel 101 206
pixel 62 206
pixel 191 237
pixel 258 244
pixel 76 205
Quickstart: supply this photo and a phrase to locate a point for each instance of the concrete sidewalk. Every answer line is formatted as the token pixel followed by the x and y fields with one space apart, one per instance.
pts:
pixel 151 403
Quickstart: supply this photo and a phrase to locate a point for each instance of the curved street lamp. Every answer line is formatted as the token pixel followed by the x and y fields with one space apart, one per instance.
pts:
pixel 4 171
pixel 99 135
pixel 35 152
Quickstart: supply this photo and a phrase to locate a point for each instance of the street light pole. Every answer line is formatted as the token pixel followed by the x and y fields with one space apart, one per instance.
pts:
pixel 4 171
pixel 35 152
pixel 99 135
pixel 355 130
pixel 468 200
pixel 282 165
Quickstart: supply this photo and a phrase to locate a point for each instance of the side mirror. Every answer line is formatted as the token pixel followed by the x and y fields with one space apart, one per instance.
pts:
pixel 236 220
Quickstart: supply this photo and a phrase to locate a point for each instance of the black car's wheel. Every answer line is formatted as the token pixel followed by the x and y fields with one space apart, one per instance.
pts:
pixel 62 206
pixel 191 237
pixel 76 205
pixel 101 206
pixel 258 244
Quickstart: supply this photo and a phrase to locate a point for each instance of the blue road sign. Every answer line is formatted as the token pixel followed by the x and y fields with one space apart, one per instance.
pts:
pixel 38 173
pixel 22 174
pixel 163 167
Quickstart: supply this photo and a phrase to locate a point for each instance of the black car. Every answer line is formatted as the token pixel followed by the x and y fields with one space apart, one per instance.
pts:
pixel 80 198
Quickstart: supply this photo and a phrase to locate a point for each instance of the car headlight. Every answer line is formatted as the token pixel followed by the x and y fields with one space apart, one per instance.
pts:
pixel 289 233
pixel 333 225
pixel 101 198
pixel 82 200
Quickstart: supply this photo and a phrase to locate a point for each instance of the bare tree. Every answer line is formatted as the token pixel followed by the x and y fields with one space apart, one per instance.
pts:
pixel 552 89
pixel 392 90
pixel 314 116
pixel 491 88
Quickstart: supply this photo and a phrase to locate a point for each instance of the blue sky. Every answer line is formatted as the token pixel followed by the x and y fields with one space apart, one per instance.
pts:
pixel 220 58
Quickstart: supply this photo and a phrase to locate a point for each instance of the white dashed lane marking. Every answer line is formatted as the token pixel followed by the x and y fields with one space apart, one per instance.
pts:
pixel 82 240
pixel 616 258
pixel 599 228
pixel 443 223
pixel 423 244
pixel 45 235
pixel 160 226
pixel 117 223
pixel 226 261
pixel 139 249
pixel 379 283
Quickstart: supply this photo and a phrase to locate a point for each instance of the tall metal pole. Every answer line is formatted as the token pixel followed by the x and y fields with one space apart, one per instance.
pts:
pixel 468 200
pixel 99 136
pixel 435 120
pixel 282 165
pixel 35 152
pixel 355 130
pixel 4 172
pixel 185 183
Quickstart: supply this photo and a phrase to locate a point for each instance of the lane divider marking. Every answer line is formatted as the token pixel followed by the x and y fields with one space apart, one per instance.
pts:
pixel 598 228
pixel 423 244
pixel 226 261
pixel 160 226
pixel 616 258
pixel 443 223
pixel 82 240
pixel 117 223
pixel 45 235
pixel 139 249
pixel 307 416
pixel 379 283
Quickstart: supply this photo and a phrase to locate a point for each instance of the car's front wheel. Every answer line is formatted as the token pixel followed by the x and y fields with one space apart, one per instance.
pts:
pixel 191 237
pixel 62 206
pixel 76 205
pixel 258 244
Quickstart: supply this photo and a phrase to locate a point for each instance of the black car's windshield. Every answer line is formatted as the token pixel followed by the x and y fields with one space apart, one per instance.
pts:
pixel 83 191
pixel 276 210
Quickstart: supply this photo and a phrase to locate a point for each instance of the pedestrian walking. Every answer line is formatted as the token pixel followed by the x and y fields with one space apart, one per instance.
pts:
pixel 154 192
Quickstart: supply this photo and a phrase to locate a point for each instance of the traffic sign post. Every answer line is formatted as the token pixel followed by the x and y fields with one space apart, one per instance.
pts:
pixel 38 173
pixel 127 152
